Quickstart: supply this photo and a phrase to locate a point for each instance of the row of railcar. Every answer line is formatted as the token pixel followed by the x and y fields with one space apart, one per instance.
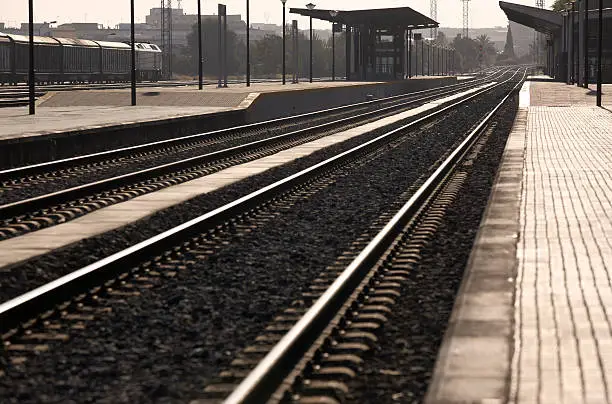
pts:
pixel 60 60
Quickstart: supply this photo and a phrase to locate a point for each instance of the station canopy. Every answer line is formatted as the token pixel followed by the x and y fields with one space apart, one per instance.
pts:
pixel 381 18
pixel 545 21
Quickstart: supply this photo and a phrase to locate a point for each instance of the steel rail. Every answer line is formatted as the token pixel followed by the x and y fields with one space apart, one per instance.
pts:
pixel 43 298
pixel 33 204
pixel 55 165
pixel 268 375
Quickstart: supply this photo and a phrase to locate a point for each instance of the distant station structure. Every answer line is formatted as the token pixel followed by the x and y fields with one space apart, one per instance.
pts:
pixel 571 38
pixel 377 40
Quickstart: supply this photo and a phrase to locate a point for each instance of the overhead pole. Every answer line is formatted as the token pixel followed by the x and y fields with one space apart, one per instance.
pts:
pixel 133 45
pixel 200 70
pixel 248 44
pixel 31 76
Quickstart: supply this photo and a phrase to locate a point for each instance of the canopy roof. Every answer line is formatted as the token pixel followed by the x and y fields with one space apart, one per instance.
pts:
pixel 541 20
pixel 403 17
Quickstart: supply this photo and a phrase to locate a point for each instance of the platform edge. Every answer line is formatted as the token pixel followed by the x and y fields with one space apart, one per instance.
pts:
pixel 474 361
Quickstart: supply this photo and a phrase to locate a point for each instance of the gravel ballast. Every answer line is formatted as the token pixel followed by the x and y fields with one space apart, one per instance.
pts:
pixel 40 270
pixel 400 366
pixel 167 343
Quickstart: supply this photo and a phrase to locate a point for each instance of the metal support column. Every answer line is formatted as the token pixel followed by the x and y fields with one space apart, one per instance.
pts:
pixel 347 49
pixel 224 47
pixel 599 52
pixel 248 43
pixel 31 75
pixel 200 70
pixel 284 47
pixel 219 46
pixel 586 44
pixel 132 39
pixel 409 53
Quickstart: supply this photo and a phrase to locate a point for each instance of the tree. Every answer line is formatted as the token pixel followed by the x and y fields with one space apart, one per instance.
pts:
pixel 559 5
pixel 488 49
pixel 236 49
pixel 441 39
pixel 267 56
pixel 466 54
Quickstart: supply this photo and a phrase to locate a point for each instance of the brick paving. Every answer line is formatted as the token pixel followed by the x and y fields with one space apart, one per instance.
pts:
pixel 563 331
pixel 548 230
pixel 560 94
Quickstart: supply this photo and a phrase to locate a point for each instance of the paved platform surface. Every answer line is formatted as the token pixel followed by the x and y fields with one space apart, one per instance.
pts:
pixel 85 109
pixel 560 94
pixel 18 249
pixel 533 320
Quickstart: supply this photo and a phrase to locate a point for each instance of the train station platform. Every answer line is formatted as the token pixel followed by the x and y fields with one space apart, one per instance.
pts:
pixel 533 319
pixel 66 122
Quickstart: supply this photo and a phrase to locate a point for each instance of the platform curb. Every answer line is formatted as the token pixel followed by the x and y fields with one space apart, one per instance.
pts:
pixel 474 361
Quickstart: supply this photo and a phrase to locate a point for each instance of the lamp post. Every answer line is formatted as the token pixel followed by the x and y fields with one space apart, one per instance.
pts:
pixel 310 6
pixel 31 77
pixel 200 71
pixel 333 14
pixel 132 35
pixel 284 64
pixel 599 51
pixel 248 45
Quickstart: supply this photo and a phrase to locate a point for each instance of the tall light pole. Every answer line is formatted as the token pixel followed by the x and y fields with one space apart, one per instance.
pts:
pixel 599 51
pixel 132 35
pixel 310 6
pixel 284 63
pixel 31 86
pixel 333 14
pixel 200 71
pixel 248 44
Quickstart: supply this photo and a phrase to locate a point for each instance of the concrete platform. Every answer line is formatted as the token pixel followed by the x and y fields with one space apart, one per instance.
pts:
pixel 66 121
pixel 533 319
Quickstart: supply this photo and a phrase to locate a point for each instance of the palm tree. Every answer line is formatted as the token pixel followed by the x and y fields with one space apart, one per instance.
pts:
pixel 559 5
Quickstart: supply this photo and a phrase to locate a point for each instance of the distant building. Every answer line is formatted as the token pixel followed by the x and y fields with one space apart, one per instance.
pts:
pixel 182 24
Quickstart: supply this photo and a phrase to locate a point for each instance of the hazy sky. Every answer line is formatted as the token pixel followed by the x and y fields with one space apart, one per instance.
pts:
pixel 483 13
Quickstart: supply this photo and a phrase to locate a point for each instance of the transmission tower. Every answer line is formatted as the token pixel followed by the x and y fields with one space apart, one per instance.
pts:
pixel 433 13
pixel 166 37
pixel 466 18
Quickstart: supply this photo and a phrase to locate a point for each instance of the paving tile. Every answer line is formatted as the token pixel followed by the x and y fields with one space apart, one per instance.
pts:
pixel 563 248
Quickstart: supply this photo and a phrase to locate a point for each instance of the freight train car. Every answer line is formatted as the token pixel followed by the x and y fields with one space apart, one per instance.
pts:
pixel 60 60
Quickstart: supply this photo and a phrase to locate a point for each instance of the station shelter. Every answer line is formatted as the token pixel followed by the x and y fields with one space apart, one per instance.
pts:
pixel 569 34
pixel 376 40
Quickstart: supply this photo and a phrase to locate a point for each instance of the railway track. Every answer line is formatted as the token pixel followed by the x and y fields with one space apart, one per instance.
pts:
pixel 41 195
pixel 309 349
